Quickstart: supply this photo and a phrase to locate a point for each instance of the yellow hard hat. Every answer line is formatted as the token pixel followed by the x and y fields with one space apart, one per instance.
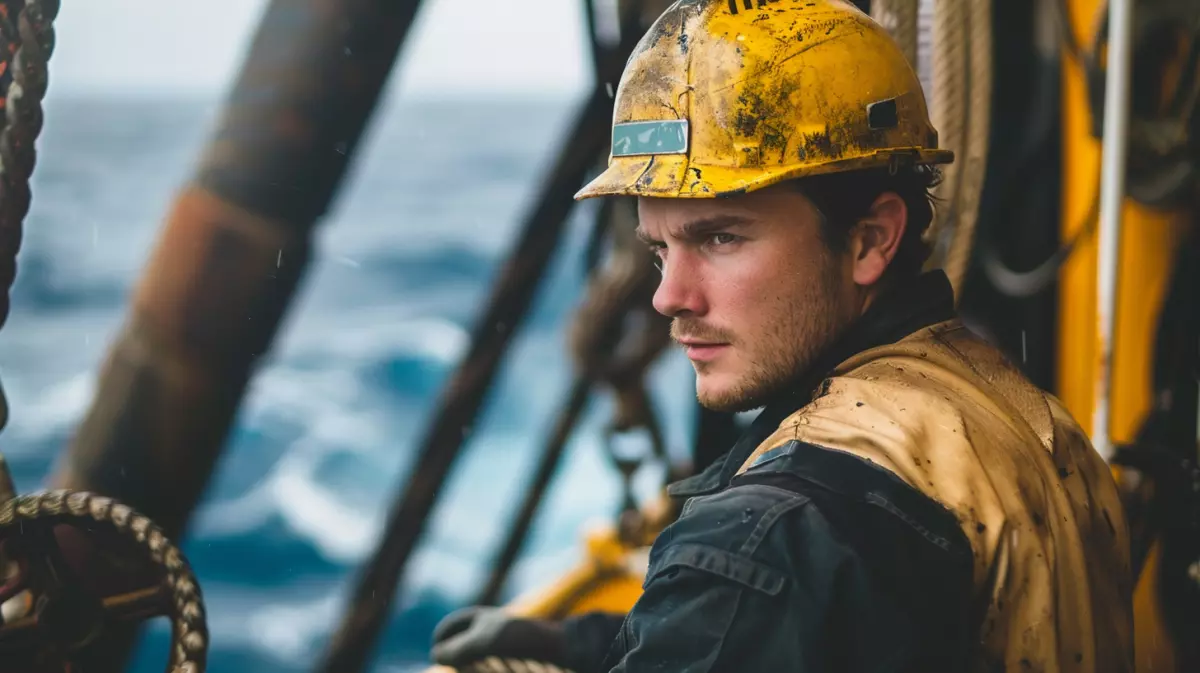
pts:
pixel 722 97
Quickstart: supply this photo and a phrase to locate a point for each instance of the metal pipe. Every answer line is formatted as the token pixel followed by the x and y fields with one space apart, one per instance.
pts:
pixel 1112 196
pixel 462 398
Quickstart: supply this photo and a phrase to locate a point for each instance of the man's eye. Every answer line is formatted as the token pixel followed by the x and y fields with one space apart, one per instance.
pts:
pixel 660 256
pixel 722 239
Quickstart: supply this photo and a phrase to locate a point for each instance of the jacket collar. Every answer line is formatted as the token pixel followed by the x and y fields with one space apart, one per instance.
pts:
pixel 899 311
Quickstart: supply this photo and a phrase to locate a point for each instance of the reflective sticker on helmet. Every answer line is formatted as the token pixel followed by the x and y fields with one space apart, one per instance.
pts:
pixel 669 136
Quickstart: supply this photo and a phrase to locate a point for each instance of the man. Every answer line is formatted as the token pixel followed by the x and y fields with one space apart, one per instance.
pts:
pixel 906 500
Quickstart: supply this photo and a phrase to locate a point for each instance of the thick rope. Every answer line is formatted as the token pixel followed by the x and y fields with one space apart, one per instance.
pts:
pixel 975 150
pixel 961 111
pixel 498 665
pixel 899 18
pixel 948 110
pixel 33 39
pixel 189 646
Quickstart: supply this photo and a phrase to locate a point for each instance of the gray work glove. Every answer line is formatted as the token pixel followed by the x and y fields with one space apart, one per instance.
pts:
pixel 473 634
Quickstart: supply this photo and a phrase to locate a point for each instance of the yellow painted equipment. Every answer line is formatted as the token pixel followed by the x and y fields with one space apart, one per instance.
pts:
pixel 1150 239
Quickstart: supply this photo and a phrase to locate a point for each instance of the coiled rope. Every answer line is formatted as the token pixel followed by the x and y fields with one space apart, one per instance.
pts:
pixel 84 510
pixel 961 111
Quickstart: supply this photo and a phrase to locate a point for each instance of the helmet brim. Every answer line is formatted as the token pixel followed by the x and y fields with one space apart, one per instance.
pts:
pixel 672 177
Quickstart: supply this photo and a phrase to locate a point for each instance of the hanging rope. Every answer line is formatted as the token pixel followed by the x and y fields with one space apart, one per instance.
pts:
pixel 25 50
pixel 961 111
pixel 948 109
pixel 974 153
pixel 31 42
pixel 899 17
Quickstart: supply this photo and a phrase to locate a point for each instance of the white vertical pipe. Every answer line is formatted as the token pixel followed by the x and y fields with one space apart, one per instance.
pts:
pixel 1112 196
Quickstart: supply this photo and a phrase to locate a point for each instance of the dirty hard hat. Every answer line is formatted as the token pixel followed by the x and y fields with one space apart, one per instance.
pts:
pixel 722 97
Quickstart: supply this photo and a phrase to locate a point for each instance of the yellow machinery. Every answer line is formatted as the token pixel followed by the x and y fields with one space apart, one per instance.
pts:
pixel 1150 239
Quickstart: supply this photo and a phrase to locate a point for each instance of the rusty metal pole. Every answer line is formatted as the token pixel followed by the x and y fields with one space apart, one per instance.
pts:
pixel 233 249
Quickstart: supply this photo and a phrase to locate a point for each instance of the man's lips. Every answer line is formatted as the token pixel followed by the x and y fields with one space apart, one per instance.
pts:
pixel 702 351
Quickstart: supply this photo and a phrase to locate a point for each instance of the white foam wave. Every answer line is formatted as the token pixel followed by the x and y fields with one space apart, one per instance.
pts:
pixel 316 513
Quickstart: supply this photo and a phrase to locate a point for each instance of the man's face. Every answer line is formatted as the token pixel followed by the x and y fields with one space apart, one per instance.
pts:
pixel 754 291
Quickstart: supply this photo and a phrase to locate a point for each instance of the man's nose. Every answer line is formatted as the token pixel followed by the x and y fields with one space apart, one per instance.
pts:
pixel 680 292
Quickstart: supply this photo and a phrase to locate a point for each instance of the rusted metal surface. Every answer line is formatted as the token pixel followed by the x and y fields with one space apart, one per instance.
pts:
pixel 234 248
pixel 206 308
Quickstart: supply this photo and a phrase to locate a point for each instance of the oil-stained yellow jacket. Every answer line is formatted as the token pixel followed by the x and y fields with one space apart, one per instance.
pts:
pixel 946 412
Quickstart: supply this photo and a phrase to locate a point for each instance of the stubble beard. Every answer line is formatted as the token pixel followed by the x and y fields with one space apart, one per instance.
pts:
pixel 804 325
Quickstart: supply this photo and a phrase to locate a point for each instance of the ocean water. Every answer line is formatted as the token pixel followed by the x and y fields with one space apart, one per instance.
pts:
pixel 327 432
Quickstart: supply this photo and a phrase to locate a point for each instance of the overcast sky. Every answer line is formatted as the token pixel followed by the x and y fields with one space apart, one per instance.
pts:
pixel 196 46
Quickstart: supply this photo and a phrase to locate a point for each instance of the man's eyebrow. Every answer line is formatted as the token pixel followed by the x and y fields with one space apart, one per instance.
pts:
pixel 702 227
pixel 698 228
pixel 644 237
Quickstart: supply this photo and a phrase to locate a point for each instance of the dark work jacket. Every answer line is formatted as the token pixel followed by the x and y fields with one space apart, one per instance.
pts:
pixel 812 560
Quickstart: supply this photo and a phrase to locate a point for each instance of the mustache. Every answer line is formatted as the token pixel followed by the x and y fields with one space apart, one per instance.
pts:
pixel 683 328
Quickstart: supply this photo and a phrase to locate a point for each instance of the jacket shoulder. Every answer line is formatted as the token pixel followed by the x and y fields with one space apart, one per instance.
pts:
pixel 815 500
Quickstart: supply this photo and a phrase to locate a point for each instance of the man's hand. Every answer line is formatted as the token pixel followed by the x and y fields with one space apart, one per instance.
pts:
pixel 473 634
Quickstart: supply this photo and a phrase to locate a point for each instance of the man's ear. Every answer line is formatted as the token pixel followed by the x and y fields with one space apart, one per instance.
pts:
pixel 876 238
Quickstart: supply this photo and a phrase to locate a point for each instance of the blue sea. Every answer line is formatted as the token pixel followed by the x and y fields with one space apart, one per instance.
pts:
pixel 328 430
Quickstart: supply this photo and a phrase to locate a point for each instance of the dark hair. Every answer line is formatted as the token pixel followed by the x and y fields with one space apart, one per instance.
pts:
pixel 845 198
